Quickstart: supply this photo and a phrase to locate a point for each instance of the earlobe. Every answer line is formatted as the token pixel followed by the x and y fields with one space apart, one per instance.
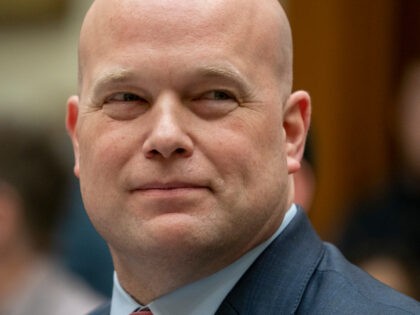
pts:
pixel 296 121
pixel 71 123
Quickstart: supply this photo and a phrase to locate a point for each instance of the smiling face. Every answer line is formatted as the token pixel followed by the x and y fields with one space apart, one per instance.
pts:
pixel 184 132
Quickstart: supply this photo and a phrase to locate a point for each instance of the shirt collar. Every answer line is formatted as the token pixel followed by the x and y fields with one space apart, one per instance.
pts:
pixel 202 297
pixel 121 303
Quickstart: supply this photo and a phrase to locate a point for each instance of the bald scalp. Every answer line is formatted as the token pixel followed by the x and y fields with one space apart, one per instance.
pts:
pixel 112 18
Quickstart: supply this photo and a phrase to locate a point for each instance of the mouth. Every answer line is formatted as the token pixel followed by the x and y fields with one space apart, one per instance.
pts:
pixel 169 189
pixel 168 186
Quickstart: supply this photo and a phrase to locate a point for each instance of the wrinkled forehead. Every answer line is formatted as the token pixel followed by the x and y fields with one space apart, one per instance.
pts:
pixel 254 26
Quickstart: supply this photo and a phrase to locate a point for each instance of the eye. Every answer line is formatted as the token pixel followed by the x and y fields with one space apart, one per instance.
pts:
pixel 124 106
pixel 123 97
pixel 216 95
pixel 214 104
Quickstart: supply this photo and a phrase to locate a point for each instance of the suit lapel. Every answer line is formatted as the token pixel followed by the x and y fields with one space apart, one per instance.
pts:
pixel 275 283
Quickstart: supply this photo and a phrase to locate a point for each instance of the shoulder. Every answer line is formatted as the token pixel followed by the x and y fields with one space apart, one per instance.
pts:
pixel 104 309
pixel 337 286
pixel 300 274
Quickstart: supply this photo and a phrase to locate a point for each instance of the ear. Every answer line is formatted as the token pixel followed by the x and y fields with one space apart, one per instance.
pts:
pixel 71 123
pixel 296 121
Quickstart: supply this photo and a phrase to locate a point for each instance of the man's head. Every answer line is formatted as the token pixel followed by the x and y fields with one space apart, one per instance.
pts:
pixel 185 130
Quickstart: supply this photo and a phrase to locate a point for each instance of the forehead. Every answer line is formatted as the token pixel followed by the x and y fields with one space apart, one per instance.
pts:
pixel 180 21
pixel 166 14
pixel 248 29
pixel 171 21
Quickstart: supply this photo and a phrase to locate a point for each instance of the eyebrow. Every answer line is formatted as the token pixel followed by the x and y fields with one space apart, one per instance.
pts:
pixel 111 77
pixel 226 73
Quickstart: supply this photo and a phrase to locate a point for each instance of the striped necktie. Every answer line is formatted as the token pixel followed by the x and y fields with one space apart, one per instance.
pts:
pixel 144 311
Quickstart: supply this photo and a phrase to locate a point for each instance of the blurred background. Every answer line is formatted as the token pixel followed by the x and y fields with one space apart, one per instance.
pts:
pixel 38 66
pixel 359 60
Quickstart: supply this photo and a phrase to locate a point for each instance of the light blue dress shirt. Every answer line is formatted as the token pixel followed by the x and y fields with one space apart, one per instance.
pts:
pixel 202 297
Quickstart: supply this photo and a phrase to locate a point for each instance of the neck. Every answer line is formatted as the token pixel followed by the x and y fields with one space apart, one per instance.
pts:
pixel 147 281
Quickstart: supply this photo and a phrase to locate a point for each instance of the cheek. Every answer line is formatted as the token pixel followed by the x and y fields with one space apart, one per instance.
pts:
pixel 249 152
pixel 103 150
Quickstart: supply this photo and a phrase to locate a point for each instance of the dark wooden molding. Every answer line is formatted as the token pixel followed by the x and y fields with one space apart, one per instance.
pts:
pixel 24 12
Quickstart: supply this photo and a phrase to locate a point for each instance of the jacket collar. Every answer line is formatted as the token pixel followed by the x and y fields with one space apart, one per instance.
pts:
pixel 275 283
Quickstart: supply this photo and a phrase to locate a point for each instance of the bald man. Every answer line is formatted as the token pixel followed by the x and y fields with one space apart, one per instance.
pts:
pixel 186 135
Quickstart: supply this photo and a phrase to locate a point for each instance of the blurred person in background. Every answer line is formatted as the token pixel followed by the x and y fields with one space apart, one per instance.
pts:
pixel 383 237
pixel 31 190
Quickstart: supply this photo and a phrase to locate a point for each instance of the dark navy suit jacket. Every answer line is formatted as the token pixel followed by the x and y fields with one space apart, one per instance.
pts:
pixel 300 274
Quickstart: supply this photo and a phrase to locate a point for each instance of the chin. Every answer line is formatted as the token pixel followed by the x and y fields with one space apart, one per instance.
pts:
pixel 181 232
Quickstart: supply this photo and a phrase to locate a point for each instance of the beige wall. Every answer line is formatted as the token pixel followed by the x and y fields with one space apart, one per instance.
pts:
pixel 38 67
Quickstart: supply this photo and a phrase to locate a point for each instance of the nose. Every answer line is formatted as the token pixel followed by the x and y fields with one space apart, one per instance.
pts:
pixel 167 137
